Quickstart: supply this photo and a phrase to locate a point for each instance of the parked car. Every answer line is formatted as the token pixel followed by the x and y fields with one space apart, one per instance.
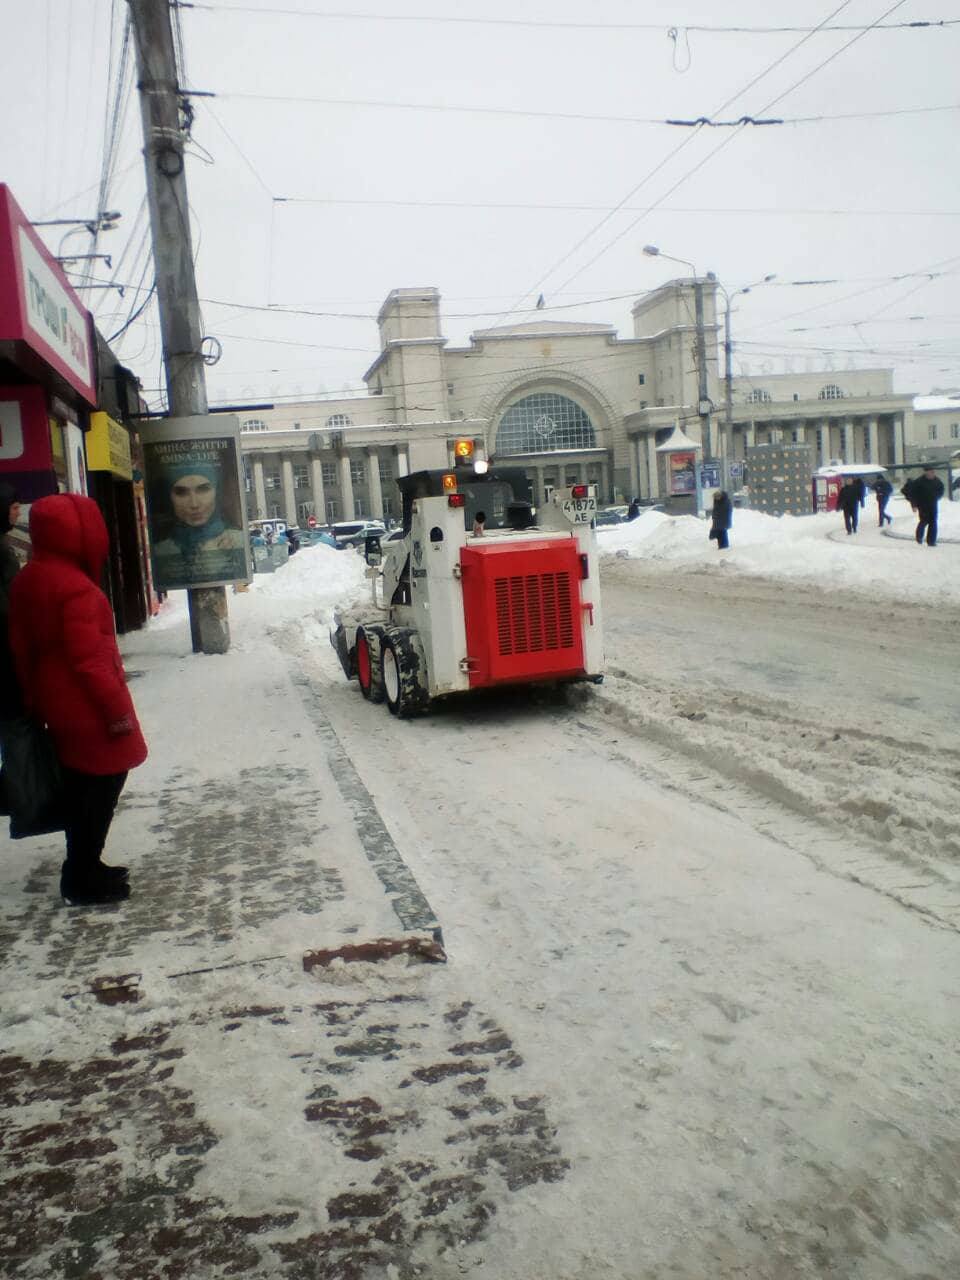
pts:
pixel 610 515
pixel 353 533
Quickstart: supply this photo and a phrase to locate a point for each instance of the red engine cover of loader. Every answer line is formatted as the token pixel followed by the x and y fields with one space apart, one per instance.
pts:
pixel 522 607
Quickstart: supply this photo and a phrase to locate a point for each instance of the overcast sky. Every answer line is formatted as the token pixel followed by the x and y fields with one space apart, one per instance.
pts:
pixel 327 207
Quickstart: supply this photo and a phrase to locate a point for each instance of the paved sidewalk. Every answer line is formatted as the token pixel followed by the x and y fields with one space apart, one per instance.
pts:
pixel 147 1045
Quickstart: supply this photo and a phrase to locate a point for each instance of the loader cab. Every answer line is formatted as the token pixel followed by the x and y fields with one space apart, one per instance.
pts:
pixel 503 494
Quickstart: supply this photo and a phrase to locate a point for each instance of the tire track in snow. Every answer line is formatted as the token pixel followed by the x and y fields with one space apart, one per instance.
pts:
pixel 740 756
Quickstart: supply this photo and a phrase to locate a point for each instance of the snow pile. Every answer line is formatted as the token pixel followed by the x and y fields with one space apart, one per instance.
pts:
pixel 810 548
pixel 307 588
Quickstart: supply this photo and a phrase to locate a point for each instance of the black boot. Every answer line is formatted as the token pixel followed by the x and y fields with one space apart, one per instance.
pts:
pixel 88 887
pixel 113 873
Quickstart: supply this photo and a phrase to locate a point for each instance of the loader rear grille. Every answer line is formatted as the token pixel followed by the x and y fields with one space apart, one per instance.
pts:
pixel 534 613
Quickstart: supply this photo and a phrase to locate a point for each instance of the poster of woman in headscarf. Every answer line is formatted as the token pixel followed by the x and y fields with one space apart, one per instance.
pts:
pixel 197 526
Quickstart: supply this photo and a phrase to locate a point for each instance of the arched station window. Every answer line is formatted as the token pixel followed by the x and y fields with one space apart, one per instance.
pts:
pixel 759 396
pixel 544 423
pixel 337 420
pixel 253 424
pixel 830 392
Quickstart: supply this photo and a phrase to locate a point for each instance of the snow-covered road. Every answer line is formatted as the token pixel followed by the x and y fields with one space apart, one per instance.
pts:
pixel 715 905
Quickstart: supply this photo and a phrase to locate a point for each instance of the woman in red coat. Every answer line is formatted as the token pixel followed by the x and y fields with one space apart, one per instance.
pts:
pixel 72 678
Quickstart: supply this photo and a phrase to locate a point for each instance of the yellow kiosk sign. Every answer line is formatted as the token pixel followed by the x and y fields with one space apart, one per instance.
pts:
pixel 108 447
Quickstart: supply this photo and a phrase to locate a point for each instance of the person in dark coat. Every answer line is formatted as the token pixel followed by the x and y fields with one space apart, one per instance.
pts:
pixel 861 489
pixel 721 519
pixel 924 496
pixel 633 511
pixel 883 489
pixel 72 678
pixel 848 501
pixel 9 568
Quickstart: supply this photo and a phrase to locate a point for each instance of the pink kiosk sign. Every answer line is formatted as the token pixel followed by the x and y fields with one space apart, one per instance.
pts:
pixel 42 321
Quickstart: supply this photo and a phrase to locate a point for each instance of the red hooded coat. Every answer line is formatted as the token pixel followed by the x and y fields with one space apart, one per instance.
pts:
pixel 63 640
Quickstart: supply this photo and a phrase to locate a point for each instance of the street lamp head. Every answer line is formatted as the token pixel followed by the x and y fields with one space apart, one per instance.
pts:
pixel 767 279
pixel 651 251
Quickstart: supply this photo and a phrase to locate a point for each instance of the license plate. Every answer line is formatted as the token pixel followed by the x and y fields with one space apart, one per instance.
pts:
pixel 579 510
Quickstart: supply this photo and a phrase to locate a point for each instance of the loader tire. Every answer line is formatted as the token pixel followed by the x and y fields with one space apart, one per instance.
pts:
pixel 346 655
pixel 369 662
pixel 404 672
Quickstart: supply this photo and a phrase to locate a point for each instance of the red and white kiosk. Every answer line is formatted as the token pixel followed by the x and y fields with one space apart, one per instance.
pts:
pixel 48 380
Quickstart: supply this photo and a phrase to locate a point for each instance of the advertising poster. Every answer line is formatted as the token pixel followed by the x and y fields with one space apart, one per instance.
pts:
pixel 682 472
pixel 195 509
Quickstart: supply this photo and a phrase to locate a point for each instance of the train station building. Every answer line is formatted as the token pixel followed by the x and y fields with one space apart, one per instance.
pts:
pixel 570 402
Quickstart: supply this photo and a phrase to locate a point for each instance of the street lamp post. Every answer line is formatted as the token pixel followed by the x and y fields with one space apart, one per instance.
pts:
pixel 726 437
pixel 704 405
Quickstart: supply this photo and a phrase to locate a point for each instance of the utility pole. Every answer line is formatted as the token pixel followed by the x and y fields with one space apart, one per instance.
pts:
pixel 703 400
pixel 163 152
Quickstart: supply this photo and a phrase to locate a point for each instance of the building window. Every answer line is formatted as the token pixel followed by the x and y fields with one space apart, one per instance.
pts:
pixel 357 509
pixel 641 378
pixel 819 440
pixel 328 471
pixel 544 423
pixel 301 478
pixel 247 482
pixel 358 470
pixel 253 424
pixel 333 510
pixel 931 431
pixel 337 420
pixel 296 426
pixel 386 469
pixel 271 479
pixel 304 510
pixel 830 392
pixel 955 430
pixel 449 388
pixel 796 435
pixel 759 396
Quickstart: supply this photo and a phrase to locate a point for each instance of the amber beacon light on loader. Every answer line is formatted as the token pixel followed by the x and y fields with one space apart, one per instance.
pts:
pixel 479 590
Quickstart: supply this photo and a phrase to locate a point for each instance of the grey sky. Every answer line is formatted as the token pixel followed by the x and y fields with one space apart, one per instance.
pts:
pixel 898 172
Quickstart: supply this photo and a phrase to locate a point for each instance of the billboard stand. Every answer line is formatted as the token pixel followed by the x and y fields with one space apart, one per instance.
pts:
pixel 181 332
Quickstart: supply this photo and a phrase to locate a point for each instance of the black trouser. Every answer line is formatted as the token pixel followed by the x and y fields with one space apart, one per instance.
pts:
pixel 928 522
pixel 90 800
pixel 850 519
pixel 882 511
pixel 723 539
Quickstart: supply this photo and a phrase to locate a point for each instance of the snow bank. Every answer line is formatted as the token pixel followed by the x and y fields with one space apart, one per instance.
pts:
pixel 810 548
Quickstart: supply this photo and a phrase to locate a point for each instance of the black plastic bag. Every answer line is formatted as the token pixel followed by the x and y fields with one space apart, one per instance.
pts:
pixel 33 783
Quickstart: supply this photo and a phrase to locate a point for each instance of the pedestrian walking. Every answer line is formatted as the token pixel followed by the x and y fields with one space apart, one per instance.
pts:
pixel 848 501
pixel 883 489
pixel 633 511
pixel 72 679
pixel 721 519
pixel 924 494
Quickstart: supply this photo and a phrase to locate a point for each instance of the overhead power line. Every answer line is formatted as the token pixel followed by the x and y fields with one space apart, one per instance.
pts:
pixel 378 104
pixel 470 20
pixel 611 213
pixel 730 138
pixel 597 208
